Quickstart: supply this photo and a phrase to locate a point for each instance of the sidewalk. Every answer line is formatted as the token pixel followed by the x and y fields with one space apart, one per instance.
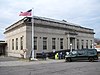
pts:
pixel 7 58
pixel 22 62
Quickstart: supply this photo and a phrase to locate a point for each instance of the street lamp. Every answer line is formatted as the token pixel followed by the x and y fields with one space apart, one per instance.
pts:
pixel 92 46
pixel 53 50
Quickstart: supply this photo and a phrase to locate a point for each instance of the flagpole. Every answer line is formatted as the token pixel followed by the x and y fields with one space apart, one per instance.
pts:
pixel 32 55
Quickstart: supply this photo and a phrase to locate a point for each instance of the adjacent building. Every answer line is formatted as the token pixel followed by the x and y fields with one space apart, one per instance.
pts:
pixel 49 35
pixel 98 48
pixel 3 46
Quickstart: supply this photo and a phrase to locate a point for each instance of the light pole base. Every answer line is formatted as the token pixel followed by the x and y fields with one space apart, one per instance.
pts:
pixel 34 59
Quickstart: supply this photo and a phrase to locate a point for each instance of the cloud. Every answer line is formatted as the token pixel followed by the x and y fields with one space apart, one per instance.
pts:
pixel 82 12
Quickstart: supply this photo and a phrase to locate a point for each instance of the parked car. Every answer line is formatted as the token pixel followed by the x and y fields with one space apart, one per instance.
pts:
pixel 84 54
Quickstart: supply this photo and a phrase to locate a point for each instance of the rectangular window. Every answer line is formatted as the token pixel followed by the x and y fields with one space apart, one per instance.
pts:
pixel 16 43
pixel 21 43
pixel 44 43
pixel 80 52
pixel 87 44
pixel 53 43
pixel 77 43
pixel 61 43
pixel 12 44
pixel 35 43
pixel 82 44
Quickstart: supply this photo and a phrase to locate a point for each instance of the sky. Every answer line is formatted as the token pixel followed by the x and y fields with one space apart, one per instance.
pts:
pixel 85 13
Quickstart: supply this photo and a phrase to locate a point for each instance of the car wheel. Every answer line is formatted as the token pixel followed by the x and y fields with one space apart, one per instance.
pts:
pixel 91 59
pixel 68 59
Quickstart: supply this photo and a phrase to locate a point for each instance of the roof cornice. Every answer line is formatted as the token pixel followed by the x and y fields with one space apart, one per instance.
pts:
pixel 48 20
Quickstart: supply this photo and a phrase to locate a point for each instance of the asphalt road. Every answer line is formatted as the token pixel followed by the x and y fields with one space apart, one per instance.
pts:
pixel 55 68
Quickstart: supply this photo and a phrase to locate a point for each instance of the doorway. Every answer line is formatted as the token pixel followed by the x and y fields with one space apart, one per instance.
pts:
pixel 72 41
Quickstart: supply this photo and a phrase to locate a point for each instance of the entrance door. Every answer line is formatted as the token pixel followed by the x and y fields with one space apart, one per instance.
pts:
pixel 72 41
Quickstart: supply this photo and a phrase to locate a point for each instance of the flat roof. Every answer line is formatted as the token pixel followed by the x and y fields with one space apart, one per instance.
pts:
pixel 60 21
pixel 3 43
pixel 50 20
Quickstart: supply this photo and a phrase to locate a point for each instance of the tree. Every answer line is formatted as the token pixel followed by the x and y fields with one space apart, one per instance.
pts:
pixel 97 40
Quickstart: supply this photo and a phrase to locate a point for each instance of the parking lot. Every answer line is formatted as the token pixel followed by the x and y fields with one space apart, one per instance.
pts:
pixel 52 67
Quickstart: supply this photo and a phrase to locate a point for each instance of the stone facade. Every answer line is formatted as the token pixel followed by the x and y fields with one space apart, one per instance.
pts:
pixel 49 35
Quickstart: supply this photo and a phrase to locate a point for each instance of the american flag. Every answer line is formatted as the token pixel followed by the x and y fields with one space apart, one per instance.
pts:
pixel 27 13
